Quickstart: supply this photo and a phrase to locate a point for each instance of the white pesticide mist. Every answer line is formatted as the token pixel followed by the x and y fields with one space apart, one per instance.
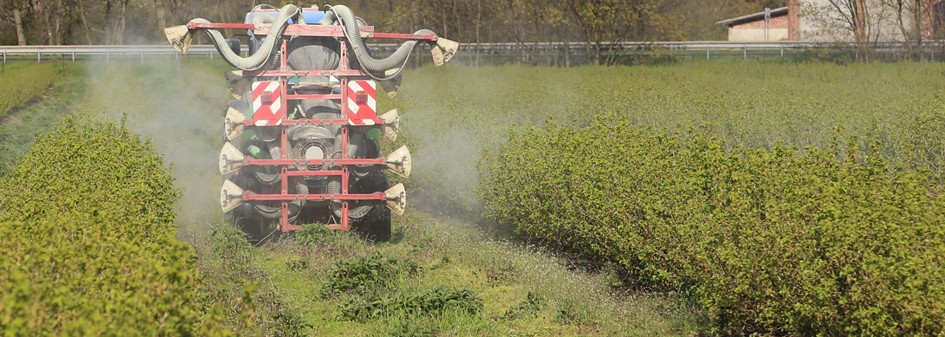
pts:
pixel 452 115
pixel 446 176
pixel 178 105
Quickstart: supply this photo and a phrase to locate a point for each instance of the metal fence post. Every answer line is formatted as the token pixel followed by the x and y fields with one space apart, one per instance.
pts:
pixel 73 56
pixel 706 53
pixel 782 51
pixel 745 53
pixel 39 57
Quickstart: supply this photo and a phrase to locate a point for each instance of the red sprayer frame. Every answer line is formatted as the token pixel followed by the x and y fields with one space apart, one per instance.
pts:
pixel 344 74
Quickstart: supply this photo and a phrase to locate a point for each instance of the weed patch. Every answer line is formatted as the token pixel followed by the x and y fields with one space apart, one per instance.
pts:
pixel 530 307
pixel 432 302
pixel 365 275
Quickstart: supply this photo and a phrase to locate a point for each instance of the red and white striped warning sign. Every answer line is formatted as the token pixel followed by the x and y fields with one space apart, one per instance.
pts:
pixel 267 103
pixel 362 102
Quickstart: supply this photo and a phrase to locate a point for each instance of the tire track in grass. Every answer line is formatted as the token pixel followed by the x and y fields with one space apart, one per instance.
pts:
pixel 18 128
pixel 525 291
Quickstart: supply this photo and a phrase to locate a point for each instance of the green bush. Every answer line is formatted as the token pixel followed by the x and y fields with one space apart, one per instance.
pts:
pixel 22 85
pixel 89 243
pixel 365 275
pixel 431 302
pixel 832 241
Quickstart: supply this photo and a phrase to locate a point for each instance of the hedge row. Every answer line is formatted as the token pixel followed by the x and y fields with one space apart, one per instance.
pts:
pixel 89 243
pixel 820 241
pixel 22 85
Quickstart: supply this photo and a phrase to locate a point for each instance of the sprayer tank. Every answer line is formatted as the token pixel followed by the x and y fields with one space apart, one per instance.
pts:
pixel 312 15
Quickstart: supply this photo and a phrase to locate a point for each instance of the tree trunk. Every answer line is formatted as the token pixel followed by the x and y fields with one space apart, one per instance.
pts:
pixel 18 20
pixel 117 35
pixel 917 13
pixel 160 10
pixel 85 24
pixel 567 51
pixel 57 22
pixel 859 27
pixel 597 48
pixel 42 12
pixel 120 33
pixel 478 23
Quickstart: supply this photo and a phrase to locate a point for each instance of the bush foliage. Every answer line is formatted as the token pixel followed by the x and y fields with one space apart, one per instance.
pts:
pixel 22 85
pixel 829 241
pixel 89 243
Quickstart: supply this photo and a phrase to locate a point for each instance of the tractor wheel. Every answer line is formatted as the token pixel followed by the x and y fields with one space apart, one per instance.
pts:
pixel 376 225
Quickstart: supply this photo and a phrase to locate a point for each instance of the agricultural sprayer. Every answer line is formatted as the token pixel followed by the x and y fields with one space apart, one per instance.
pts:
pixel 301 135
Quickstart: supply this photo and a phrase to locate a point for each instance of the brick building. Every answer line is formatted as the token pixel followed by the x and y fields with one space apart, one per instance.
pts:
pixel 820 20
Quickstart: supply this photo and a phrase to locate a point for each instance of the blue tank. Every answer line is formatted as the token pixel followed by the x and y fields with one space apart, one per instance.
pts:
pixel 312 16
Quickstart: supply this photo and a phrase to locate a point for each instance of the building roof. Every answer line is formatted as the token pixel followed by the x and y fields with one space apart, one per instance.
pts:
pixel 753 17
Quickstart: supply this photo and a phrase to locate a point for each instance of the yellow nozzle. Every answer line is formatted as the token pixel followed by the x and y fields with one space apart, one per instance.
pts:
pixel 180 38
pixel 233 123
pixel 231 159
pixel 399 162
pixel 443 51
pixel 230 196
pixel 391 124
pixel 396 199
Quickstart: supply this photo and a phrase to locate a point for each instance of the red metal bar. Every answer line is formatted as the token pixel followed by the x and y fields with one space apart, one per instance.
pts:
pixel 343 45
pixel 284 143
pixel 284 218
pixel 344 180
pixel 249 196
pixel 314 173
pixel 291 227
pixel 401 36
pixel 314 30
pixel 314 96
pixel 316 121
pixel 345 222
pixel 284 64
pixel 284 181
pixel 289 162
pixel 195 25
pixel 344 142
pixel 300 73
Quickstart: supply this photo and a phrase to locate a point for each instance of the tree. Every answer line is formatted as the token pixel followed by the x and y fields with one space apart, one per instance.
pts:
pixel 611 22
pixel 18 7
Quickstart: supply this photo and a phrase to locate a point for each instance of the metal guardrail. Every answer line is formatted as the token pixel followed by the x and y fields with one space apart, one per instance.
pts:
pixel 76 52
pixel 107 51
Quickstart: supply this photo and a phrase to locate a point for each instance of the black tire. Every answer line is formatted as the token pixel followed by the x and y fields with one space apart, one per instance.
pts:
pixel 376 225
pixel 254 227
